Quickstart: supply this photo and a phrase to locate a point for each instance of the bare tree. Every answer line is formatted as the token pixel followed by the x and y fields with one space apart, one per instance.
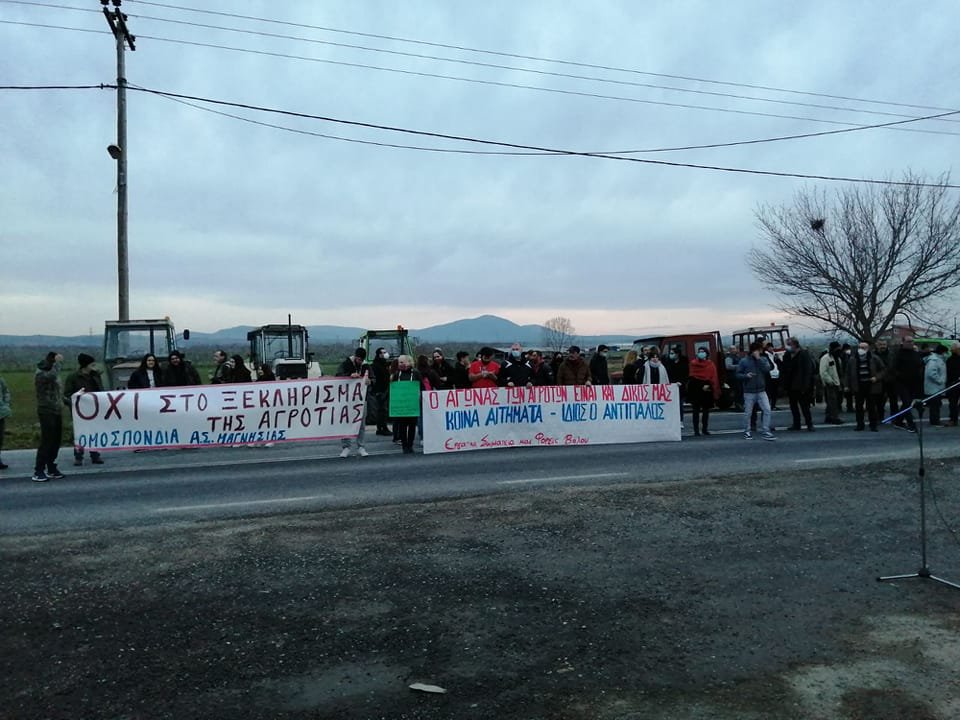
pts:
pixel 557 333
pixel 856 259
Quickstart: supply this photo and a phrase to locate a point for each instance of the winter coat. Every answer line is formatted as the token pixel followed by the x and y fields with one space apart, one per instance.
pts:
pixel 907 370
pixel 798 371
pixel 46 380
pixel 573 373
pixel 934 374
pixel 181 376
pixel 830 370
pixel 663 377
pixel 139 380
pixel 877 371
pixel 760 367
pixel 5 399
pixel 703 372
pixel 517 374
pixel 541 374
pixel 599 370
pixel 86 379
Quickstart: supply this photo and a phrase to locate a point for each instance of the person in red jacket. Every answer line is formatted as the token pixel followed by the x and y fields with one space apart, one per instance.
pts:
pixel 483 372
pixel 703 389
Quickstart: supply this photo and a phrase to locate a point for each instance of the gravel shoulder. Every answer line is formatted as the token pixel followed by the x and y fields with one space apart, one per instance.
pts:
pixel 749 597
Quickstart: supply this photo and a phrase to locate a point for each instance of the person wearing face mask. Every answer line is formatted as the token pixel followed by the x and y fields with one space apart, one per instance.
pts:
pixel 678 368
pixel 377 392
pixel 752 372
pixel 515 371
pixel 935 380
pixel 865 373
pixel 703 390
pixel 599 370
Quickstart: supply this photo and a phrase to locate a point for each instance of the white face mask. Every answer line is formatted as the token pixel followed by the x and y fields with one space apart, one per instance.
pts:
pixel 386 356
pixel 514 353
pixel 861 352
pixel 654 362
pixel 702 355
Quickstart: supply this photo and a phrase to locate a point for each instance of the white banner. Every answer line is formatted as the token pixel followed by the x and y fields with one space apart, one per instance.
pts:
pixel 211 415
pixel 456 420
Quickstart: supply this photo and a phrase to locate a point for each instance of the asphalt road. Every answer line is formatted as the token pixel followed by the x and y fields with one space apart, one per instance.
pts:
pixel 158 487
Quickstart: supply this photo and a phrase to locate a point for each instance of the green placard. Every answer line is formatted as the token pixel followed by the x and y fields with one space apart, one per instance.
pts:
pixel 405 398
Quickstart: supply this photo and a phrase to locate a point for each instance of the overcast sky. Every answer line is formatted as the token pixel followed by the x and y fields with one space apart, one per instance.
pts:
pixel 233 223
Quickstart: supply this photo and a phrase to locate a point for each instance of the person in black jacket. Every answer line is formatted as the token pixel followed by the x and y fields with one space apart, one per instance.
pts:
pixel 515 372
pixel 148 375
pixel 540 371
pixel 599 370
pixel 459 377
pixel 906 366
pixel 87 379
pixel 797 376
pixel 179 372
pixel 377 392
pixel 953 377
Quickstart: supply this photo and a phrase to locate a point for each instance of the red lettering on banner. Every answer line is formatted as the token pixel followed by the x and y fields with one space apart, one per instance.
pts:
pixel 575 440
pixel 434 400
pixel 662 393
pixel 544 439
pixel 229 400
pixel 636 393
pixel 96 406
pixel 114 401
pixel 584 393
pixel 248 399
pixel 166 403
pixel 452 400
pixel 607 392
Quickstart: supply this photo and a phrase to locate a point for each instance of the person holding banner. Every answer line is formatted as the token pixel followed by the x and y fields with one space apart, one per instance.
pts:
pixel 574 370
pixel 85 379
pixel 515 372
pixel 147 375
pixel 405 388
pixel 540 373
pixel 483 372
pixel 356 367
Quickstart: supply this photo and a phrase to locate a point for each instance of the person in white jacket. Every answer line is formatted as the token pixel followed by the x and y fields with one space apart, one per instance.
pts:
pixel 935 380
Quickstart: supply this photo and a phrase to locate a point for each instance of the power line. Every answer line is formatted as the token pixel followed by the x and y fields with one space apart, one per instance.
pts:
pixel 512 68
pixel 514 153
pixel 753 113
pixel 536 58
pixel 102 86
pixel 519 146
pixel 497 83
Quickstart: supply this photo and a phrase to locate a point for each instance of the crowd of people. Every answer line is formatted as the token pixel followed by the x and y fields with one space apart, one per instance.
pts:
pixel 869 381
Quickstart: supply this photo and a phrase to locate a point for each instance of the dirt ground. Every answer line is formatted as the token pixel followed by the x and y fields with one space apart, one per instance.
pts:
pixel 747 598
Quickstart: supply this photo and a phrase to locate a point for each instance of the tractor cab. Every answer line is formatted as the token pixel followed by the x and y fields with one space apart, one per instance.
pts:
pixel 396 342
pixel 284 349
pixel 125 342
pixel 776 334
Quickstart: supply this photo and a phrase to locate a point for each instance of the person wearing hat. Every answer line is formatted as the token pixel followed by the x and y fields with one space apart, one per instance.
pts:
pixel 830 377
pixel 573 370
pixel 599 370
pixel 85 379
pixel 46 382
pixel 483 372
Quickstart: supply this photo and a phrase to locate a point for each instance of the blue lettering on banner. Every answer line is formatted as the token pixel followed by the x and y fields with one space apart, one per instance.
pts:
pixel 579 412
pixel 460 419
pixel 634 411
pixel 515 414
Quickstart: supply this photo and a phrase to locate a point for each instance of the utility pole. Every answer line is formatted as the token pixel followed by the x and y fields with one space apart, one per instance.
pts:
pixel 118 25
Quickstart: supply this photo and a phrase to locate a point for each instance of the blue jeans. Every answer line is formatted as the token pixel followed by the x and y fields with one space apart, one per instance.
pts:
pixel 761 399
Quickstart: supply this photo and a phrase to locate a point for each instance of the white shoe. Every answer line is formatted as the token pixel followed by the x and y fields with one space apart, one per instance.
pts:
pixel 362 452
pixel 345 452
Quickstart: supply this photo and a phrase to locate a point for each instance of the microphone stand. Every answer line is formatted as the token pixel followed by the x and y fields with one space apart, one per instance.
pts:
pixel 924 571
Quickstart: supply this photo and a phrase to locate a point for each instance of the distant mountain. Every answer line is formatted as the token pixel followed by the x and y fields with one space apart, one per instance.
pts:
pixel 490 329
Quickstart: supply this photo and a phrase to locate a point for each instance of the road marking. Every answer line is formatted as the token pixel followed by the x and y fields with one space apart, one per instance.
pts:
pixel 835 458
pixel 561 477
pixel 241 503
